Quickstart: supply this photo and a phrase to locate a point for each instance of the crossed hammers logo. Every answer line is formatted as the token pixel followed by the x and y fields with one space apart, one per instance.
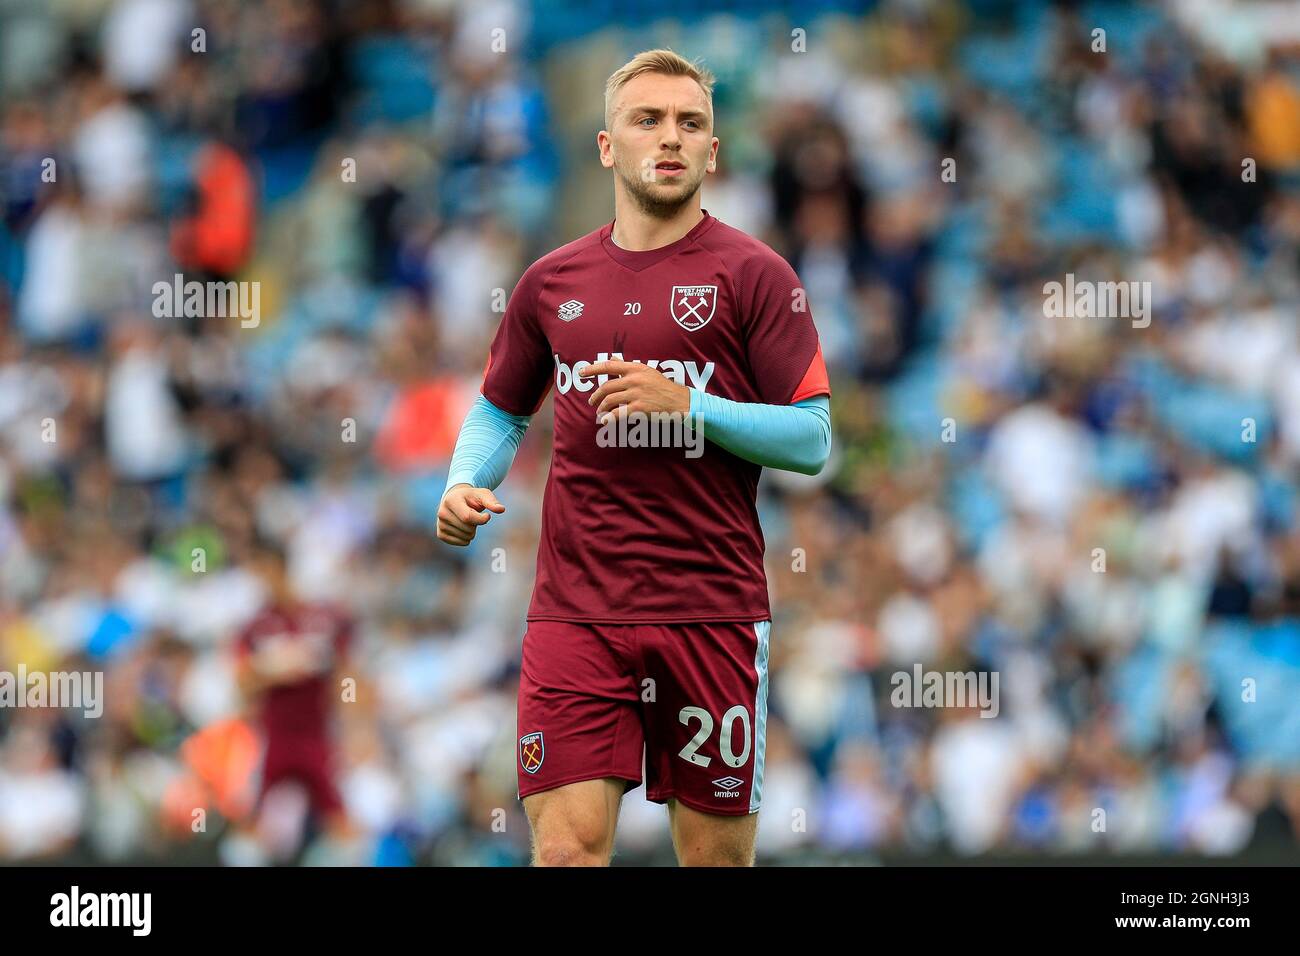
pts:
pixel 692 317
pixel 694 310
pixel 531 752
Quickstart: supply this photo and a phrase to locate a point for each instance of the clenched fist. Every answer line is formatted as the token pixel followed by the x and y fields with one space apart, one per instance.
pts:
pixel 463 509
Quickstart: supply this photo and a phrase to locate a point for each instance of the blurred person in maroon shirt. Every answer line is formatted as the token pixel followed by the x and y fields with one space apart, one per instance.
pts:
pixel 288 658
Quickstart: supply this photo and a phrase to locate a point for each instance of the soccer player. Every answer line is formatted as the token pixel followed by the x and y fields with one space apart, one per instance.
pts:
pixel 286 659
pixel 648 628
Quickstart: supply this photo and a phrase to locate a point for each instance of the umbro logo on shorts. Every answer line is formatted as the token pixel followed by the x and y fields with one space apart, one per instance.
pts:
pixel 729 786
pixel 532 751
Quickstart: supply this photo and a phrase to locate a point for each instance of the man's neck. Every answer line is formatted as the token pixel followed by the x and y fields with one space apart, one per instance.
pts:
pixel 636 231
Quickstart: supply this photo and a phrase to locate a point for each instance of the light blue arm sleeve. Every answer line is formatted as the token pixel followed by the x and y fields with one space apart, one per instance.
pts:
pixel 486 446
pixel 790 437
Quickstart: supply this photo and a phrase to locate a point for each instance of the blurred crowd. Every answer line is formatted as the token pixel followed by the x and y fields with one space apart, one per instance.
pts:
pixel 1104 514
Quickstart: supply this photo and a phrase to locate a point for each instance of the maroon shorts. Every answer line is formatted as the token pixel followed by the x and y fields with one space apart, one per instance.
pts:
pixel 692 697
pixel 306 762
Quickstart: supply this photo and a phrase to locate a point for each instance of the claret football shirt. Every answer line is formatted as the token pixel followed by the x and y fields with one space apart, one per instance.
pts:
pixel 631 533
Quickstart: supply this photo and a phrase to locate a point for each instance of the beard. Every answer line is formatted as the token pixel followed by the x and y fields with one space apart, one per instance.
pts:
pixel 660 200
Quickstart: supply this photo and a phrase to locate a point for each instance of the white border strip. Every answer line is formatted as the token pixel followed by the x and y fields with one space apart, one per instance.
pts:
pixel 762 629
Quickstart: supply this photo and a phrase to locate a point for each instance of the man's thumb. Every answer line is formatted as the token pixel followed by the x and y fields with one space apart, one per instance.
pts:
pixel 485 499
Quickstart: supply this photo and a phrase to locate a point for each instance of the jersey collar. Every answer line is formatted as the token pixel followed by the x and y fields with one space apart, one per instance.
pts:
pixel 636 261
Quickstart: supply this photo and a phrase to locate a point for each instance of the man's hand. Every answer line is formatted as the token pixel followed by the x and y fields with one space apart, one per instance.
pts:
pixel 636 387
pixel 463 509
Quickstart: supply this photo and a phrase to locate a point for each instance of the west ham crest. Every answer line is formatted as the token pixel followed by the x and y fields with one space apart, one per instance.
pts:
pixel 532 751
pixel 692 305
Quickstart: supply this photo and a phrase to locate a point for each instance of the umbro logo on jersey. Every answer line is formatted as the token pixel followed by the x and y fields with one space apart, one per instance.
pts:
pixel 692 305
pixel 568 311
pixel 730 786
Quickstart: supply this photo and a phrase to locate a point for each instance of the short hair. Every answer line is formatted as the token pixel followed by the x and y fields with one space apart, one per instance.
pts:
pixel 657 61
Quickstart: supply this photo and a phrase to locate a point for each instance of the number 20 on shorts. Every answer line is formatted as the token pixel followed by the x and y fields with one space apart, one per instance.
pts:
pixel 729 757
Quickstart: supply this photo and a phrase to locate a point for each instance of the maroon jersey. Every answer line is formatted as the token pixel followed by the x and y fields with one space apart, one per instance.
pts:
pixel 646 534
pixel 298 712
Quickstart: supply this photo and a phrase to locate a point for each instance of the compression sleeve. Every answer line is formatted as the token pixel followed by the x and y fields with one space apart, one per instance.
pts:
pixel 486 446
pixel 790 437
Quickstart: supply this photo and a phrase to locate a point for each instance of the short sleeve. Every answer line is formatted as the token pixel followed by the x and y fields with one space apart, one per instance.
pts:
pixel 519 364
pixel 780 338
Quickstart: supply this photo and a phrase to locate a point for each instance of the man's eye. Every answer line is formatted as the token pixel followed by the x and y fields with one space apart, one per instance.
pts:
pixel 692 124
pixel 648 119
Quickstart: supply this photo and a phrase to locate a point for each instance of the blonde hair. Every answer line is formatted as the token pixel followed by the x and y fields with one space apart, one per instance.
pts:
pixel 657 61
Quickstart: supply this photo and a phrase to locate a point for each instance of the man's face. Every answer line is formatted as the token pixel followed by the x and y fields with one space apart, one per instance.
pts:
pixel 660 143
